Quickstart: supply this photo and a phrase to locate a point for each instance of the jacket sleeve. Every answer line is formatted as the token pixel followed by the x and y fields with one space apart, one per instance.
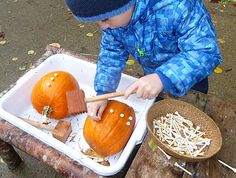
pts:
pixel 111 62
pixel 199 52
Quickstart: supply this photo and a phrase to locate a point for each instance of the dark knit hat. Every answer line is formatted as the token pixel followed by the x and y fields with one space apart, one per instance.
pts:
pixel 95 10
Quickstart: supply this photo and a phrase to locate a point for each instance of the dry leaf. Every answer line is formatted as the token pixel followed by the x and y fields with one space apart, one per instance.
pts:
pixel 23 67
pixel 104 163
pixel 81 25
pixel 130 62
pixel 91 152
pixel 214 22
pixel 31 52
pixel 221 41
pixel 152 145
pixel 1 161
pixel 55 45
pixel 14 59
pixel 2 35
pixel 218 70
pixel 3 42
pixel 89 34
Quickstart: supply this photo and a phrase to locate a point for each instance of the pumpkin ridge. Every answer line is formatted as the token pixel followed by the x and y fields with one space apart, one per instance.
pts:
pixel 105 124
pixel 114 133
pixel 110 132
pixel 107 131
pixel 111 139
pixel 50 91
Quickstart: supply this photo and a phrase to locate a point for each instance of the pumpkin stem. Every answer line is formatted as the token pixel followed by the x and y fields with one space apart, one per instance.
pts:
pixel 47 110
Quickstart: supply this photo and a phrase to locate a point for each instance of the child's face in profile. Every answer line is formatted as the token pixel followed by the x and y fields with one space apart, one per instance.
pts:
pixel 120 20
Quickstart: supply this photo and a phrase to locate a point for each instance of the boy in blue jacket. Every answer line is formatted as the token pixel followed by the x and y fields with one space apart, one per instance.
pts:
pixel 173 40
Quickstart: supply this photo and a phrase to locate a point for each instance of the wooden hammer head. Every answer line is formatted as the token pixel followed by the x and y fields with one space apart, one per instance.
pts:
pixel 62 131
pixel 76 102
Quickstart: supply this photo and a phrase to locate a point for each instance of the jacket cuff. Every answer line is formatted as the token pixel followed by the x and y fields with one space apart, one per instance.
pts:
pixel 166 82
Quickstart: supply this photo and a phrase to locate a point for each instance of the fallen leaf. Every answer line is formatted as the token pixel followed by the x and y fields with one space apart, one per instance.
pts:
pixel 69 14
pixel 31 52
pixel 130 62
pixel 152 145
pixel 89 34
pixel 218 70
pixel 104 163
pixel 55 45
pixel 14 59
pixel 214 22
pixel 92 153
pixel 1 161
pixel 31 66
pixel 3 42
pixel 221 41
pixel 2 35
pixel 81 25
pixel 23 67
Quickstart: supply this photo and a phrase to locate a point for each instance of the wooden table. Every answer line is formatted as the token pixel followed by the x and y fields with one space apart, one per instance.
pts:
pixel 146 163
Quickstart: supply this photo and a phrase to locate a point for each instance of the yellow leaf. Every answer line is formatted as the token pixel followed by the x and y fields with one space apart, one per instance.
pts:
pixel 31 52
pixel 221 41
pixel 14 59
pixel 152 145
pixel 23 67
pixel 89 34
pixel 55 45
pixel 3 42
pixel 130 62
pixel 218 70
pixel 81 26
pixel 214 22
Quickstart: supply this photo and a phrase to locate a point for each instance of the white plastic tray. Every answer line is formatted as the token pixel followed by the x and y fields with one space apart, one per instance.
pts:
pixel 17 102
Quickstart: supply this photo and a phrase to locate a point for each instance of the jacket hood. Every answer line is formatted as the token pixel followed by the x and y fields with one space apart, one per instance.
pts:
pixel 142 10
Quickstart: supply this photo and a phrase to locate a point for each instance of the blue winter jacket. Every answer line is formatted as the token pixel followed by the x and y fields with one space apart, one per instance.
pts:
pixel 173 38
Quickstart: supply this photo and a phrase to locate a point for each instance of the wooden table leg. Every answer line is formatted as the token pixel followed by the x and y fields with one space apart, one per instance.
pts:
pixel 9 155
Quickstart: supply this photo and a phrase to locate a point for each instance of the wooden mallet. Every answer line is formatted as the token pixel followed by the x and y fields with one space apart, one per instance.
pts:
pixel 61 131
pixel 76 101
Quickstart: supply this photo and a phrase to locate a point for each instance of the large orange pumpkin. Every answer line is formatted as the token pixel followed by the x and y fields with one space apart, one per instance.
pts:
pixel 49 94
pixel 110 135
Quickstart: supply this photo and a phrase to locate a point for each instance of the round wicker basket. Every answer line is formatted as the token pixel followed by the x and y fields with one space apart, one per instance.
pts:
pixel 193 114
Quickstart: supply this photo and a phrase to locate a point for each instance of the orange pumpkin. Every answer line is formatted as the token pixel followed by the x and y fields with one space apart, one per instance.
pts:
pixel 110 135
pixel 49 94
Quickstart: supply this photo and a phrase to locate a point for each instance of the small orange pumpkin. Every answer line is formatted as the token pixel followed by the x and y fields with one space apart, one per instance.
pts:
pixel 110 135
pixel 49 94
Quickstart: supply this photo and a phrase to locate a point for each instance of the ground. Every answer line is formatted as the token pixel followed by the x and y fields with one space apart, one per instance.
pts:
pixel 31 25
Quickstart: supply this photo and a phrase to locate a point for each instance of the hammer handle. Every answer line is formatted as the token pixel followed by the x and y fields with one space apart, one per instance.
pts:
pixel 38 125
pixel 104 96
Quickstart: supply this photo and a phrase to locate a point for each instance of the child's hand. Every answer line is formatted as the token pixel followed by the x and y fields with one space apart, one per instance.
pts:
pixel 146 87
pixel 95 109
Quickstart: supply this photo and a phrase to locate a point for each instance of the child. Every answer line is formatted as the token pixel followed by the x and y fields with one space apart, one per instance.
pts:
pixel 173 40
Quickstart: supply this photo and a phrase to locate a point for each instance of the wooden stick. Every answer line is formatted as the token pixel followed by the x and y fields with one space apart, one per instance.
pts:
pixel 185 170
pixel 228 166
pixel 105 96
pixel 175 164
pixel 38 125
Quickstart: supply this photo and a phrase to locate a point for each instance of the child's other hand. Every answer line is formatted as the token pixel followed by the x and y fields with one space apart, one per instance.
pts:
pixel 95 109
pixel 146 87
